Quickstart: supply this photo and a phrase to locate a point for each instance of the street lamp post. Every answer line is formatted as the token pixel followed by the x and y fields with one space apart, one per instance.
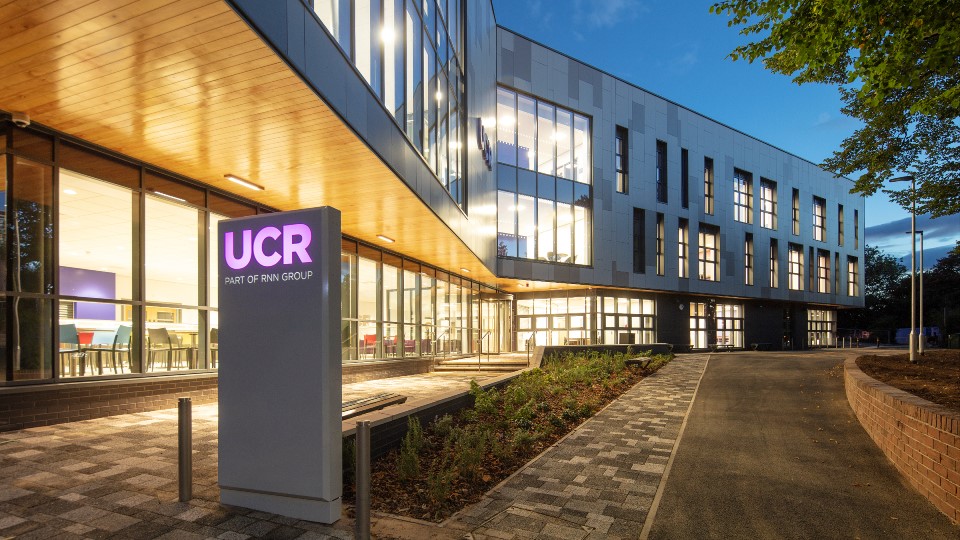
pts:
pixel 923 334
pixel 913 263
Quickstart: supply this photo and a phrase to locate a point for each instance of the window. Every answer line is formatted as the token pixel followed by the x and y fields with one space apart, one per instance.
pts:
pixel 621 160
pixel 709 253
pixel 812 271
pixel 698 325
pixel 821 327
pixel 683 245
pixel 708 186
pixel 774 264
pixel 506 127
pixel 660 244
pixel 742 196
pixel 795 267
pixel 730 325
pixel 819 219
pixel 545 216
pixel 795 217
pixel 840 225
pixel 748 260
pixel 823 271
pixel 768 204
pixel 853 276
pixel 639 262
pixel 684 178
pixel 661 172
pixel 836 273
pixel 856 229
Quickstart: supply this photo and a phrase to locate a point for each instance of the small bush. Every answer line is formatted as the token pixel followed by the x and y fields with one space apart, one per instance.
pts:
pixel 408 461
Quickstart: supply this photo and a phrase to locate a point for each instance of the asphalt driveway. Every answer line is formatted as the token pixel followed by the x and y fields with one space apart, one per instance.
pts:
pixel 771 449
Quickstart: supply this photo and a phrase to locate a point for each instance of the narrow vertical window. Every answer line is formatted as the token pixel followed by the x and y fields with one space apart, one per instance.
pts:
pixel 795 216
pixel 621 157
pixel 546 142
pixel 774 264
pixel 819 219
pixel 742 196
pixel 709 253
pixel 660 245
pixel 795 267
pixel 856 229
pixel 853 277
pixel 683 248
pixel 708 186
pixel 812 271
pixel 768 204
pixel 836 272
pixel 840 225
pixel 639 263
pixel 684 178
pixel 823 271
pixel 661 172
pixel 748 260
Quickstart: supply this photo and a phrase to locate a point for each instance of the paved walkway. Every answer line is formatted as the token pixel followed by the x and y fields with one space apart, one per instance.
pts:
pixel 601 480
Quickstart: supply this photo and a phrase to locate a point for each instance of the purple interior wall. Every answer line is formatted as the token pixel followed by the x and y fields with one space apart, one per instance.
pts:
pixel 92 284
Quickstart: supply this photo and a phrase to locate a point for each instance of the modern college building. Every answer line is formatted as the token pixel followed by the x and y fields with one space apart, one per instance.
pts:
pixel 494 192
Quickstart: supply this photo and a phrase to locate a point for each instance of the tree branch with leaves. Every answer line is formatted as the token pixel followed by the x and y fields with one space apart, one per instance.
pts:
pixel 897 66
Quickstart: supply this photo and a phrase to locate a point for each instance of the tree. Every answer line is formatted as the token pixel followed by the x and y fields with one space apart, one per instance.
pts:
pixel 897 66
pixel 886 294
pixel 942 293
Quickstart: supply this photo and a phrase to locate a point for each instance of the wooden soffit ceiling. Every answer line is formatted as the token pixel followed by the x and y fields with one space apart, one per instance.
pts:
pixel 186 85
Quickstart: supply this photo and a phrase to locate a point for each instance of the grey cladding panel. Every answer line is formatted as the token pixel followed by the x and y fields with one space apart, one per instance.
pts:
pixel 522 59
pixel 638 117
pixel 506 64
pixel 573 79
pixel 673 120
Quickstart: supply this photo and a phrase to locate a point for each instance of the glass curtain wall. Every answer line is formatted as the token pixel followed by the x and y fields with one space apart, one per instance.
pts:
pixel 730 325
pixel 544 209
pixel 397 308
pixel 111 266
pixel 821 328
pixel 584 318
pixel 410 53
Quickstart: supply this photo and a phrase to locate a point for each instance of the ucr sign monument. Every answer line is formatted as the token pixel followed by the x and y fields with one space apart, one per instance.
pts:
pixel 280 369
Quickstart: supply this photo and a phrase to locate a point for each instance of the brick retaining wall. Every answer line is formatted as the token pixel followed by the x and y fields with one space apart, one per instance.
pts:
pixel 31 406
pixel 921 438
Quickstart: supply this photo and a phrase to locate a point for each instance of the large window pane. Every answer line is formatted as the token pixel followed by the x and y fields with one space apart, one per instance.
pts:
pixel 545 245
pixel 546 144
pixel 96 243
pixel 506 224
pixel 172 252
pixel 414 64
pixel 32 340
pixel 506 127
pixel 31 228
pixel 581 149
pixel 335 15
pixel 564 135
pixel 564 233
pixel 526 133
pixel 526 230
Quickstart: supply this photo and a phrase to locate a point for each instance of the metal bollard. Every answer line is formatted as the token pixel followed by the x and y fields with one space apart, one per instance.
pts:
pixel 185 441
pixel 362 523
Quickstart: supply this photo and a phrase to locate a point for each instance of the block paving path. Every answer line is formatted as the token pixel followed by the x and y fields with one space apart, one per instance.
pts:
pixel 600 481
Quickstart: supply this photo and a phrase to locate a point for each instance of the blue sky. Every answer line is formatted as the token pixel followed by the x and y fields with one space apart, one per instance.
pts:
pixel 679 51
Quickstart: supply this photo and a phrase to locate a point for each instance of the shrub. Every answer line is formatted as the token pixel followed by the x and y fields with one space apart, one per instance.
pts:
pixel 469 449
pixel 408 461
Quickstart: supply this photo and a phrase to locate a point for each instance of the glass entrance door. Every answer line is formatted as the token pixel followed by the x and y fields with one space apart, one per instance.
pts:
pixel 495 325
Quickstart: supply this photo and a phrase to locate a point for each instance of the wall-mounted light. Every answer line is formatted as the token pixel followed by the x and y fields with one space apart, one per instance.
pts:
pixel 245 183
pixel 386 239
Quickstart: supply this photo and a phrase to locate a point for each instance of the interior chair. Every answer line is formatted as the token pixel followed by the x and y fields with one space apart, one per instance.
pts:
pixel 161 344
pixel 70 353
pixel 369 344
pixel 214 346
pixel 100 343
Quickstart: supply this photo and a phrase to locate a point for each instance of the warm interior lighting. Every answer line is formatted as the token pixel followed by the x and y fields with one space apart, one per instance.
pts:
pixel 245 183
pixel 386 239
pixel 168 196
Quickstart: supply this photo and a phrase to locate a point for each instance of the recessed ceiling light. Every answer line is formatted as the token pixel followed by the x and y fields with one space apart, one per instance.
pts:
pixel 386 239
pixel 168 196
pixel 245 183
pixel 464 270
pixel 70 192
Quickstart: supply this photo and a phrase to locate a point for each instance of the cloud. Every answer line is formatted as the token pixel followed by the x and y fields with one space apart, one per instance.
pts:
pixel 930 257
pixel 608 13
pixel 942 230
pixel 822 119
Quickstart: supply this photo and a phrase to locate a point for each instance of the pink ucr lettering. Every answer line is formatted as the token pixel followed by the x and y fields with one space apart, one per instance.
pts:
pixel 299 248
pixel 230 252
pixel 295 241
